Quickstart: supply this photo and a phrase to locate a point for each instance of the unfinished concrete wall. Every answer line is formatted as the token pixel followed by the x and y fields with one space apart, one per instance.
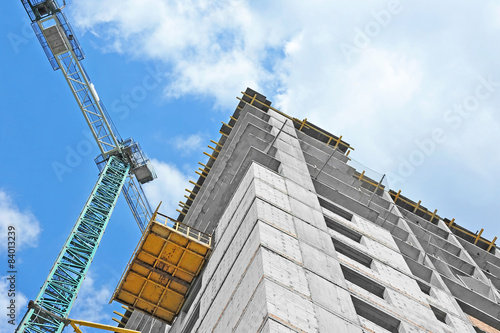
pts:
pixel 303 246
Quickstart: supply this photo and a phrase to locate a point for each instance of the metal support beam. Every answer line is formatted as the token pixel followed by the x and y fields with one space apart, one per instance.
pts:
pixel 492 243
pixel 93 110
pixel 478 236
pixel 137 201
pixel 161 273
pixel 74 324
pixel 376 189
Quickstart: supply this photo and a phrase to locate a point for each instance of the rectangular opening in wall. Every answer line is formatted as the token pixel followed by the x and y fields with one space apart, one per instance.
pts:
pixel 426 289
pixel 352 253
pixel 440 315
pixel 419 270
pixel 192 321
pixel 363 282
pixel 342 229
pixel 335 209
pixel 375 315
pixel 193 292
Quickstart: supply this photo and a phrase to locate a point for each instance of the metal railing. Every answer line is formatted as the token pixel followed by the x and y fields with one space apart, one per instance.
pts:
pixel 370 179
pixel 182 228
pixel 303 124
pixel 475 238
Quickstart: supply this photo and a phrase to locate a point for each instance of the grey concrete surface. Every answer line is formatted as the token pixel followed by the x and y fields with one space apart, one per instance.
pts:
pixel 303 246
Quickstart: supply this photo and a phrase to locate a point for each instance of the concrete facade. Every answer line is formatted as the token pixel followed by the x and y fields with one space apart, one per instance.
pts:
pixel 302 245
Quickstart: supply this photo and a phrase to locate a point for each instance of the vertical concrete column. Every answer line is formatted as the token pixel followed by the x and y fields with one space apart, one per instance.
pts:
pixel 327 302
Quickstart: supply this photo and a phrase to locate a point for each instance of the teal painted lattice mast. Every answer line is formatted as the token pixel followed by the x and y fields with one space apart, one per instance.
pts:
pixel 121 161
pixel 66 277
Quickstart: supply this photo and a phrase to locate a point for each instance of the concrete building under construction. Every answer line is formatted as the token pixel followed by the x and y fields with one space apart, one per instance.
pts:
pixel 289 237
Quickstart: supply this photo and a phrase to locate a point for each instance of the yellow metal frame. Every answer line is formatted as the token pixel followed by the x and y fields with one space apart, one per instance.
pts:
pixel 213 148
pixel 165 263
pixel 195 184
pixel 210 155
pixel 302 123
pixel 367 180
pixel 204 165
pixel 76 323
pixel 451 224
pixel 200 174
pixel 124 317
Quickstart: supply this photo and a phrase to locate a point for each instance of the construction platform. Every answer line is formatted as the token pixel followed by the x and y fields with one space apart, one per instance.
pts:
pixel 164 265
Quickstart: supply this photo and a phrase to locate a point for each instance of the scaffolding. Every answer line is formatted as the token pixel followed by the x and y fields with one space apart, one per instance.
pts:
pixel 163 267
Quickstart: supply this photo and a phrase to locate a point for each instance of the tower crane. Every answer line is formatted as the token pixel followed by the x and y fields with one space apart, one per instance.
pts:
pixel 123 167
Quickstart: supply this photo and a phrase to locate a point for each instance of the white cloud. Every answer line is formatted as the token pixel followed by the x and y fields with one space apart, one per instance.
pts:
pixel 188 144
pixel 406 70
pixel 7 293
pixel 216 47
pixel 92 300
pixel 168 188
pixel 27 227
pixel 398 74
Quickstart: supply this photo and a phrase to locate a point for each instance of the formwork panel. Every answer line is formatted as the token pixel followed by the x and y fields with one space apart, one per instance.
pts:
pixel 166 261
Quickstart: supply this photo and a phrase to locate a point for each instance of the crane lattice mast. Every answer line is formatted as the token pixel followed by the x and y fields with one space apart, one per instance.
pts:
pixel 123 165
pixel 68 272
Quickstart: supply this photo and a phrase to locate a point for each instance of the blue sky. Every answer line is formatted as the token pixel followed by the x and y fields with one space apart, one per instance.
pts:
pixel 414 87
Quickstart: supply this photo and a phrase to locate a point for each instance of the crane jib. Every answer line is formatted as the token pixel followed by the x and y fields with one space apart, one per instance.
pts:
pixel 123 164
pixel 65 53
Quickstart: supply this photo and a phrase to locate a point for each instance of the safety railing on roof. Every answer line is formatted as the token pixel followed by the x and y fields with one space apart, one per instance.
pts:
pixel 475 238
pixel 226 130
pixel 303 124
pixel 374 181
pixel 366 176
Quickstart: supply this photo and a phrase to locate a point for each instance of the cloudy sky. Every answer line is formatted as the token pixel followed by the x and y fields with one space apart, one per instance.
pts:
pixel 413 86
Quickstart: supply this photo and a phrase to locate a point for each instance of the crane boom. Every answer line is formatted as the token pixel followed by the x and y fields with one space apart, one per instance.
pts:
pixel 122 163
pixel 64 52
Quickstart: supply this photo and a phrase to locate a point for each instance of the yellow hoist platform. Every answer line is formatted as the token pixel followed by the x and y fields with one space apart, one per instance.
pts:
pixel 166 261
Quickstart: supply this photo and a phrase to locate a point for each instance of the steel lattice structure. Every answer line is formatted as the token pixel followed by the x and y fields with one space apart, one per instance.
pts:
pixel 65 53
pixel 123 166
pixel 66 276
